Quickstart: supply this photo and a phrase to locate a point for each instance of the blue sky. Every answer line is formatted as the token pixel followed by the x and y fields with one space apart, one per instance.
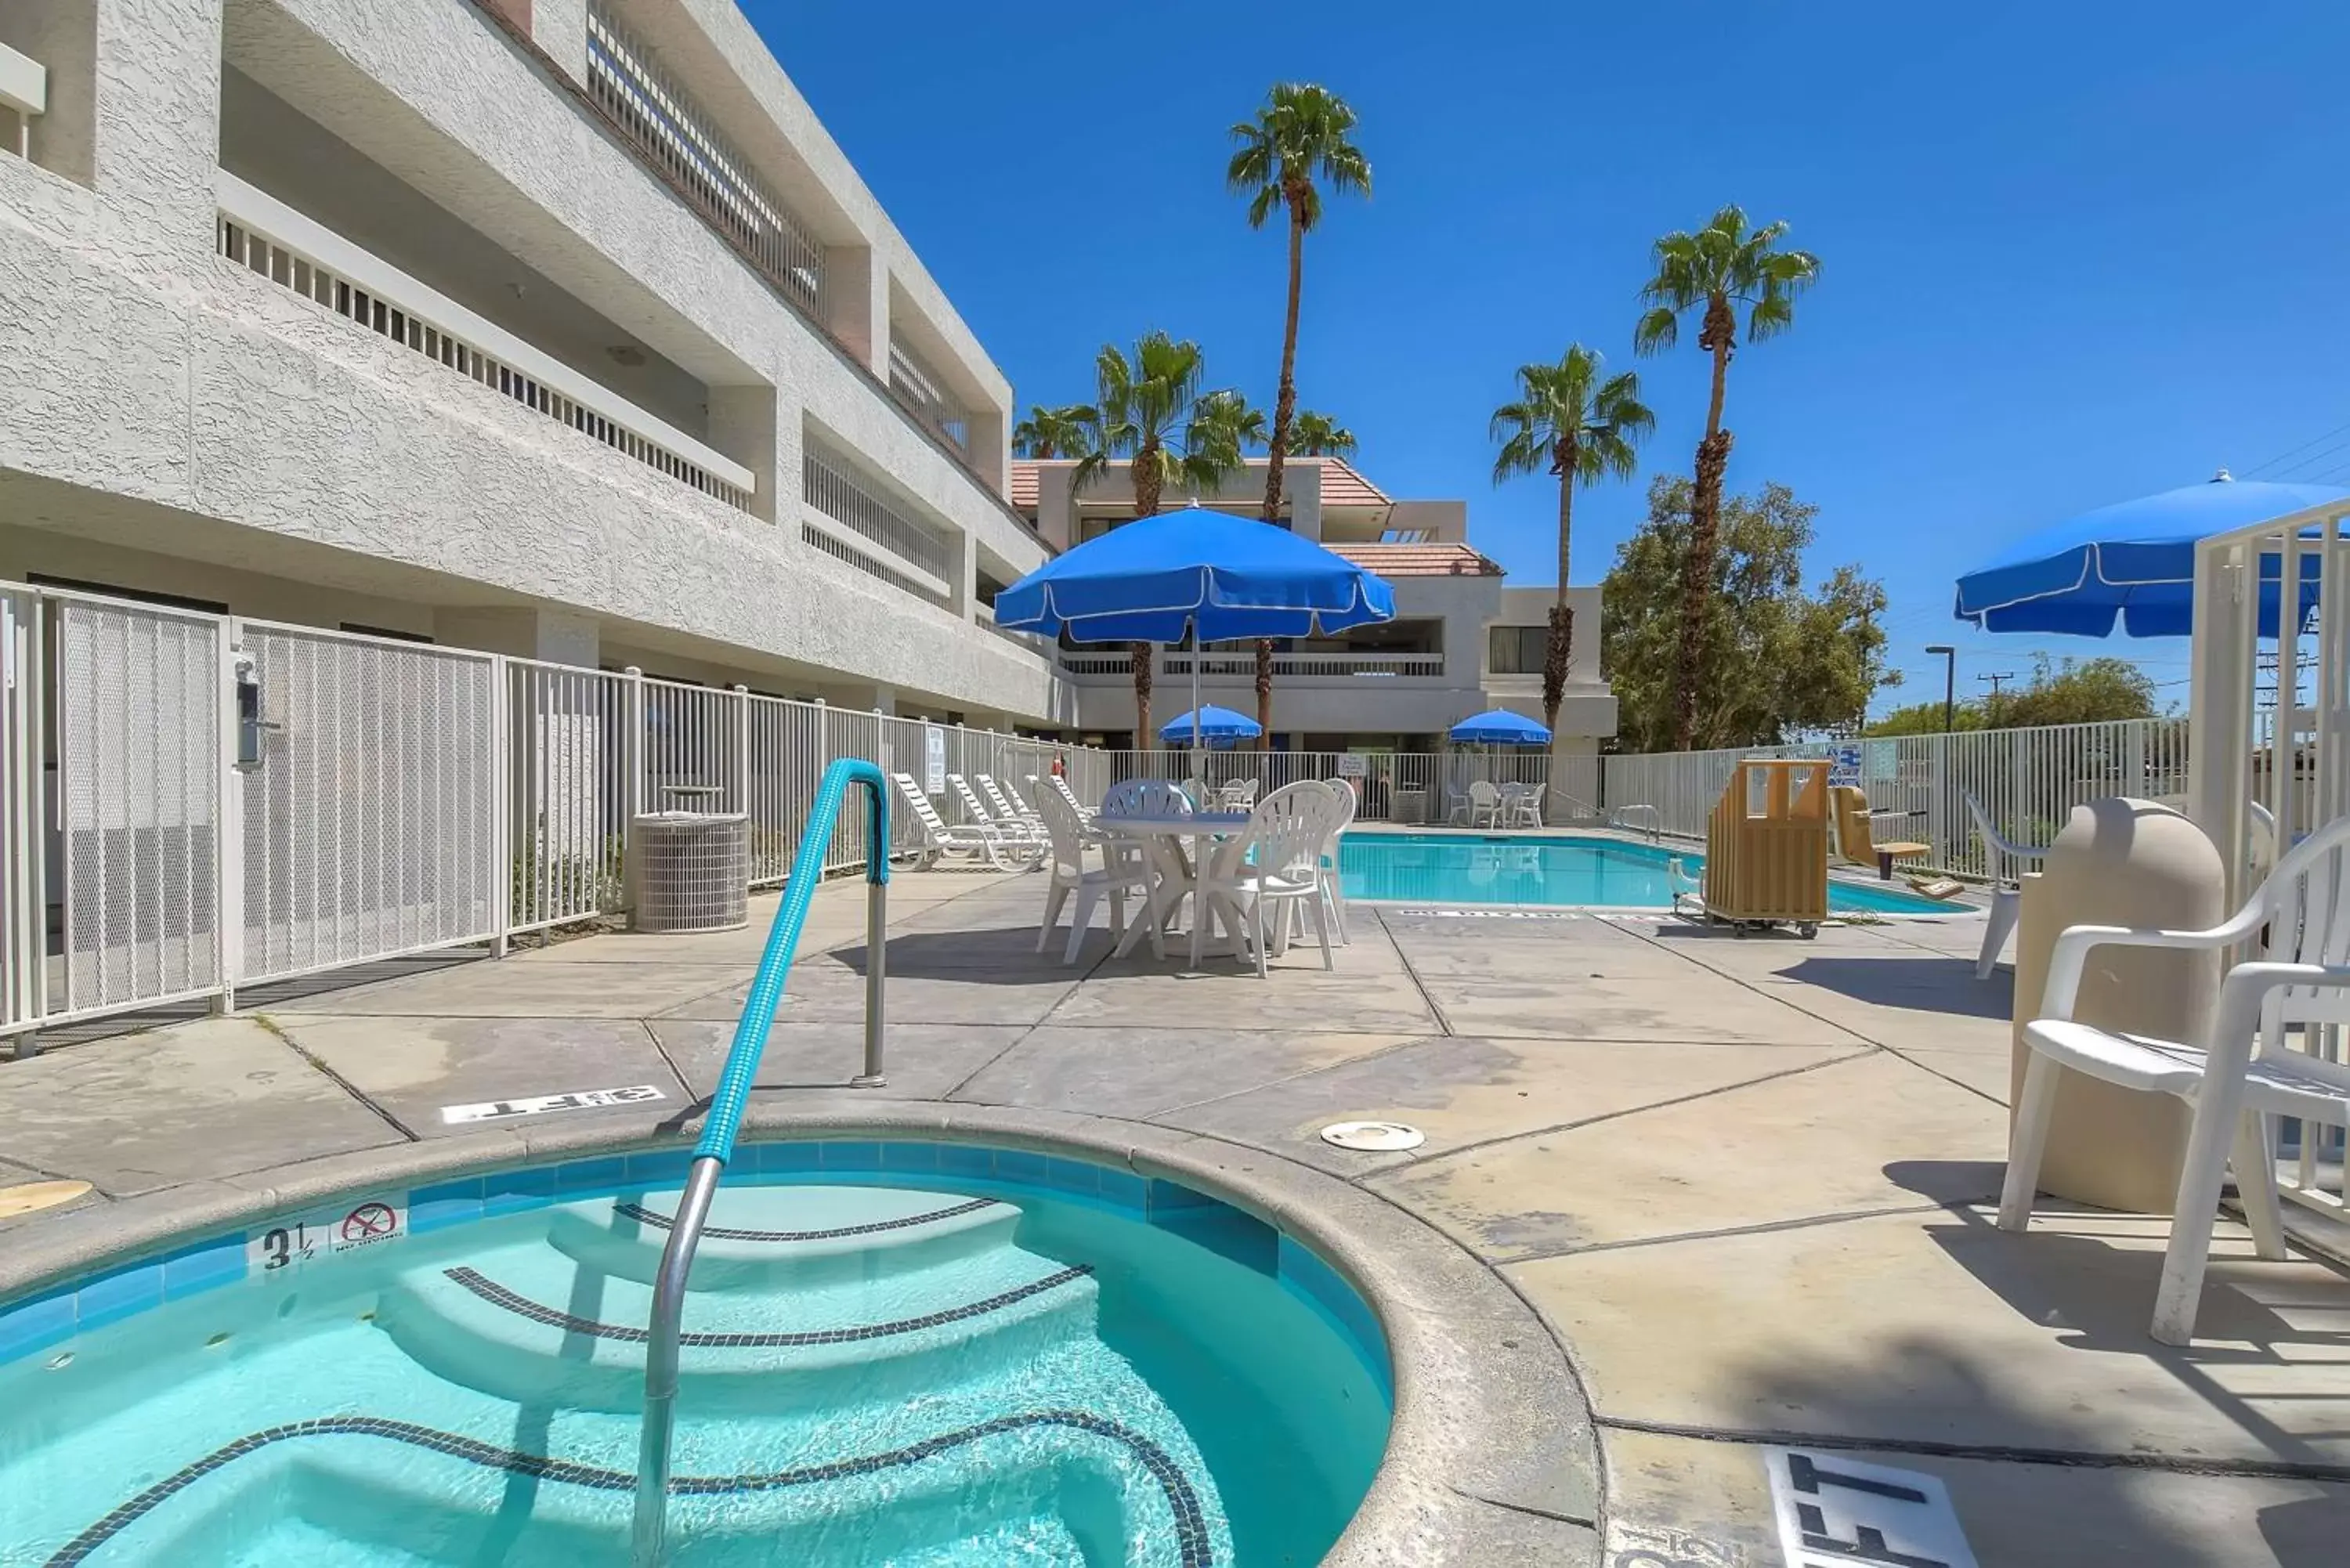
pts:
pixel 2071 252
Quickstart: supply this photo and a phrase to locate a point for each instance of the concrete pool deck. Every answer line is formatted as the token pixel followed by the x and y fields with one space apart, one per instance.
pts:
pixel 1747 1184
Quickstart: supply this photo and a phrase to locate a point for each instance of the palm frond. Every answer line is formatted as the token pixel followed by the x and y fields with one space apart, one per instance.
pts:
pixel 1299 137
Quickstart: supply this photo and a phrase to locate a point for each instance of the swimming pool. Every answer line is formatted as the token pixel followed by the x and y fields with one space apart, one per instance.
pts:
pixel 941 1355
pixel 1564 871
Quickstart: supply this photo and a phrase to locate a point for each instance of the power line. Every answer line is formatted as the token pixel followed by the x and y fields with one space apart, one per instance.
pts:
pixel 2304 446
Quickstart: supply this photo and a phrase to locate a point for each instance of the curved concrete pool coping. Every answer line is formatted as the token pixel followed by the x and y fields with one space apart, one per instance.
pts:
pixel 1491 1457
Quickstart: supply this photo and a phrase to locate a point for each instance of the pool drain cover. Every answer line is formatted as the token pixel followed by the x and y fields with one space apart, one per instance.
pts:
pixel 1376 1137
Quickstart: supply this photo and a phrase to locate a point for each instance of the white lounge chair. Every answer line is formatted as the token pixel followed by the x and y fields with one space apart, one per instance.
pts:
pixel 1277 861
pixel 1005 808
pixel 2009 861
pixel 2243 1069
pixel 1061 788
pixel 971 840
pixel 1121 872
pixel 1012 830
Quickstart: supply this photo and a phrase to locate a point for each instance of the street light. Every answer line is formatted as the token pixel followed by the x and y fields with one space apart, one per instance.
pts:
pixel 1949 683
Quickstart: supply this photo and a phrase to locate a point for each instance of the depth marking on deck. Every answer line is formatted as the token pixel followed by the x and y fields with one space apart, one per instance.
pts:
pixel 1836 1513
pixel 539 1104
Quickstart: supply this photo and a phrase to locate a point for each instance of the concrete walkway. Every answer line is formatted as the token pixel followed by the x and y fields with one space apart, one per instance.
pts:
pixel 1747 1182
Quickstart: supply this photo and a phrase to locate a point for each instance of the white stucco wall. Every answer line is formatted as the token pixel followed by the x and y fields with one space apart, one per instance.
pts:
pixel 142 365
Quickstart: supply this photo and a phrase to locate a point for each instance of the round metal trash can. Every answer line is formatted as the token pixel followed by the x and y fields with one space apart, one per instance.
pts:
pixel 690 871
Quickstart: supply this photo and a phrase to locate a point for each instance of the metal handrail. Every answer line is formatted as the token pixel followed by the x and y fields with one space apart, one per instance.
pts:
pixel 650 1532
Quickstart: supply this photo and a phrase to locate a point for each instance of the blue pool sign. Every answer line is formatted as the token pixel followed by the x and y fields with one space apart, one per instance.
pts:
pixel 1844 765
pixel 934 760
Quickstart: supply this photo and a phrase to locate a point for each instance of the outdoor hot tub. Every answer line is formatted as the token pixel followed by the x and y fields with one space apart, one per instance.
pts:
pixel 925 1352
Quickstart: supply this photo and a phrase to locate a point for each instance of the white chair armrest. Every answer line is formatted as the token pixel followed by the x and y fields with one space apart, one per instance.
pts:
pixel 2070 957
pixel 2237 1016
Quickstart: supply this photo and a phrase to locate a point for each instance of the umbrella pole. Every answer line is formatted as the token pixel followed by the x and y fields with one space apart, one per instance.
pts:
pixel 1198 742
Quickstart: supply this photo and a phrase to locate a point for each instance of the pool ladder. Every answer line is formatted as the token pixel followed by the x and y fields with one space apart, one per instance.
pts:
pixel 650 1532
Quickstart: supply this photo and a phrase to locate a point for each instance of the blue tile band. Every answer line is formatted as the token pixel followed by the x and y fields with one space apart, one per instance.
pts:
pixel 497 1296
pixel 638 1211
pixel 1195 1546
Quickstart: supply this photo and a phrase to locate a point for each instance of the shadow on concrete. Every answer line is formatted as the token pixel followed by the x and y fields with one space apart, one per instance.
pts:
pixel 1919 985
pixel 2050 1491
pixel 260 997
pixel 1001 956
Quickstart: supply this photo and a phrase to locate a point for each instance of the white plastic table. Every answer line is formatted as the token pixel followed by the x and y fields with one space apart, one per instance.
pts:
pixel 1162 839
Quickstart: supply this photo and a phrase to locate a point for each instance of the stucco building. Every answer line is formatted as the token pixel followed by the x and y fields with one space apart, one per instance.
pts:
pixel 561 328
pixel 1461 641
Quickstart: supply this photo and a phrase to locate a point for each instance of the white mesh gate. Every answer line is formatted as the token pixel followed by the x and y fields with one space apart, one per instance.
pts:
pixel 23 912
pixel 371 824
pixel 567 758
pixel 137 787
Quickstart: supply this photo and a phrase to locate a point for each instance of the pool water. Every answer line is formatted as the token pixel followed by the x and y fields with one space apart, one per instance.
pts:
pixel 1606 873
pixel 926 1369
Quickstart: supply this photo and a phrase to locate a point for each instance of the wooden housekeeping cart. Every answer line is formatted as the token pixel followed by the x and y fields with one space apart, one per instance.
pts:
pixel 1766 847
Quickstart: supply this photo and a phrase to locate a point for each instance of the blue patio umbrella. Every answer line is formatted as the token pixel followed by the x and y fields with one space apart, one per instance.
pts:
pixel 1217 726
pixel 2135 561
pixel 1194 571
pixel 1499 727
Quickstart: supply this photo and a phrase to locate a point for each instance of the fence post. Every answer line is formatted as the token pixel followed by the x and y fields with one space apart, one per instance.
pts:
pixel 742 748
pixel 502 874
pixel 228 913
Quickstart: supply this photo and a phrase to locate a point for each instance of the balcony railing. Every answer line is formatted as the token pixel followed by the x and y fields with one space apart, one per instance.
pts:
pixel 264 234
pixel 663 122
pixel 926 398
pixel 23 93
pixel 851 521
pixel 1285 666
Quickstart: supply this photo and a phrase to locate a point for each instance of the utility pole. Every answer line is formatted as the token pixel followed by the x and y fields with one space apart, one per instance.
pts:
pixel 1950 683
pixel 1990 714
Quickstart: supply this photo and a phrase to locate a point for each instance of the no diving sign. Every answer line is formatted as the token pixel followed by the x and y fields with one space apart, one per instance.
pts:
pixel 344 1228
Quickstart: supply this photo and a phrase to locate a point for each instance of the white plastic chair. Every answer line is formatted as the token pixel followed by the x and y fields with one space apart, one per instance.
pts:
pixel 974 840
pixel 1333 891
pixel 1484 804
pixel 1145 797
pixel 2009 861
pixel 1061 788
pixel 1121 872
pixel 2244 1070
pixel 1277 861
pixel 1521 805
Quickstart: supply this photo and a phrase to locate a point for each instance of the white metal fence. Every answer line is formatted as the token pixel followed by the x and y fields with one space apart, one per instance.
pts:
pixel 2028 780
pixel 193 803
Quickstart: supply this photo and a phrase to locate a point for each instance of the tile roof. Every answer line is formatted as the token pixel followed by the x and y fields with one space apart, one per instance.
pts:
pixel 1342 485
pixel 1419 560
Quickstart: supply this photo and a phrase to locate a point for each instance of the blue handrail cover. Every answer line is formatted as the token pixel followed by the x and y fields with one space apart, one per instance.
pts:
pixel 734 1092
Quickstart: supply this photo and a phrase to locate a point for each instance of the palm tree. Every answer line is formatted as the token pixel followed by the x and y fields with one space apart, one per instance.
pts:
pixel 1566 420
pixel 1064 432
pixel 1317 435
pixel 1152 413
pixel 1298 136
pixel 1722 267
pixel 1228 416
